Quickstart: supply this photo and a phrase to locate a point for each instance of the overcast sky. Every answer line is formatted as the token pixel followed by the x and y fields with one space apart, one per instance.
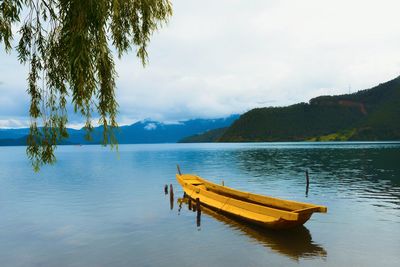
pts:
pixel 218 57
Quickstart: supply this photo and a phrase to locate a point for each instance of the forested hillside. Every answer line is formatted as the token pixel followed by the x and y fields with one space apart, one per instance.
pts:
pixel 372 114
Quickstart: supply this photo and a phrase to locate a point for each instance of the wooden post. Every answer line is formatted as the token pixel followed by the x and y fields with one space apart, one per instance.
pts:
pixel 223 184
pixel 194 206
pixel 171 196
pixel 190 204
pixel 198 217
pixel 171 202
pixel 179 169
pixel 308 182
pixel 198 207
pixel 166 189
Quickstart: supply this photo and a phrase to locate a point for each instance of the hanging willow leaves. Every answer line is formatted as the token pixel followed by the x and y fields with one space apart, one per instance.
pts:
pixel 67 45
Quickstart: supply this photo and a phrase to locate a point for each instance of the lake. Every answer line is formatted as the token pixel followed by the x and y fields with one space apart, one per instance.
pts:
pixel 96 207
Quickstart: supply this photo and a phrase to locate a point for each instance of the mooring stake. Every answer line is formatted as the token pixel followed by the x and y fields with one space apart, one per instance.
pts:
pixel 198 220
pixel 179 169
pixel 166 189
pixel 171 196
pixel 198 217
pixel 194 207
pixel 308 182
pixel 190 204
pixel 171 202
pixel 198 207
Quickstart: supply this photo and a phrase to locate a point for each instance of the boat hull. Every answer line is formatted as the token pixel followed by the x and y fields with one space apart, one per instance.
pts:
pixel 261 210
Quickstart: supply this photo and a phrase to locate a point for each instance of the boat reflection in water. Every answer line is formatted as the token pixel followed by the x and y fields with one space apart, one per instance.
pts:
pixel 294 243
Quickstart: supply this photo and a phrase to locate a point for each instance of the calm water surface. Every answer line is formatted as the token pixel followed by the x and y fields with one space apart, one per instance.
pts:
pixel 99 208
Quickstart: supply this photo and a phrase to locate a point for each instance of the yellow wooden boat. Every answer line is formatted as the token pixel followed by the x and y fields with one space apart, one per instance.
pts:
pixel 263 210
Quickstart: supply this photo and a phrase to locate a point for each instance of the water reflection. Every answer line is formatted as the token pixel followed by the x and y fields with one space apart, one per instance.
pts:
pixel 294 243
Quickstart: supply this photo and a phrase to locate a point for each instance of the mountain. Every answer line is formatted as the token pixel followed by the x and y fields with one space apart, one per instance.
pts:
pixel 21 141
pixel 156 132
pixel 18 137
pixel 13 133
pixel 206 137
pixel 368 115
pixel 146 131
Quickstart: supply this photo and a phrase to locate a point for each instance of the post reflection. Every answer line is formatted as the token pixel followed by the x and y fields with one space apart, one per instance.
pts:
pixel 294 243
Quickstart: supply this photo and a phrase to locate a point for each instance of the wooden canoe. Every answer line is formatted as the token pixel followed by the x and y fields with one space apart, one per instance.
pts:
pixel 263 210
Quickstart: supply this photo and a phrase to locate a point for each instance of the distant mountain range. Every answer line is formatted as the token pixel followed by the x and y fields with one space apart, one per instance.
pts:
pixel 368 115
pixel 146 131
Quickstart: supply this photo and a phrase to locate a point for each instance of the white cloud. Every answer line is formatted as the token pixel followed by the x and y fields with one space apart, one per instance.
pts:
pixel 150 126
pixel 215 58
pixel 14 123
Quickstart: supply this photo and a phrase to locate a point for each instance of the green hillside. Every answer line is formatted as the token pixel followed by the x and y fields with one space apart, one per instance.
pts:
pixel 372 114
pixel 206 137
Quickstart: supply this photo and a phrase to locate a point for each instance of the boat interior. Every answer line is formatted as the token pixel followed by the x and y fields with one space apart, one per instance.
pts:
pixel 269 202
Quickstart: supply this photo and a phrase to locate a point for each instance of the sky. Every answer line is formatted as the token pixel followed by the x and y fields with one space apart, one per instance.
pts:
pixel 216 58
